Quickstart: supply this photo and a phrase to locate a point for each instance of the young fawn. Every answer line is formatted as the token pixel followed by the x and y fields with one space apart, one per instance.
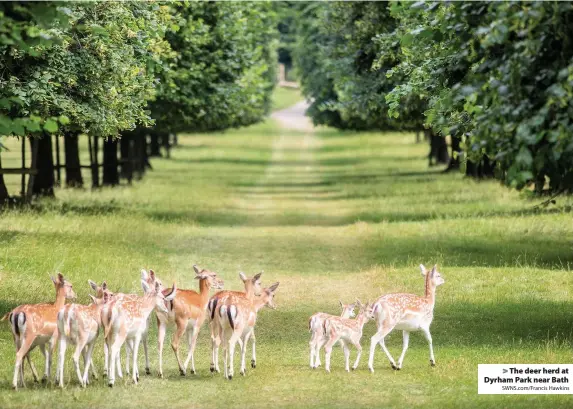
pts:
pixel 347 331
pixel 126 321
pixel 79 325
pixel 188 310
pixel 151 280
pixel 406 312
pixel 33 325
pixel 252 289
pixel 316 328
pixel 237 317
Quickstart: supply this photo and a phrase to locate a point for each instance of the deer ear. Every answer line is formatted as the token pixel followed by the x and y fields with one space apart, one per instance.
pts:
pixel 196 268
pixel 104 285
pixel 358 303
pixel 61 278
pixel 273 288
pixel 92 285
pixel 144 275
pixel 423 270
pixel 341 305
pixel 242 276
pixel 145 286
pixel 434 269
pixel 93 298
pixel 257 277
pixel 172 294
pixel 152 274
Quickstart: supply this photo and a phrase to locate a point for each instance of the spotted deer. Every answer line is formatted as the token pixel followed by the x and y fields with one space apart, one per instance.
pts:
pixel 316 328
pixel 151 279
pixel 237 317
pixel 33 325
pixel 188 310
pixel 406 312
pixel 79 325
pixel 126 321
pixel 252 289
pixel 347 331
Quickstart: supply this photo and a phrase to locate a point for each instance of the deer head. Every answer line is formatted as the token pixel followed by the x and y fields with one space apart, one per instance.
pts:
pixel 210 277
pixel 255 282
pixel 65 286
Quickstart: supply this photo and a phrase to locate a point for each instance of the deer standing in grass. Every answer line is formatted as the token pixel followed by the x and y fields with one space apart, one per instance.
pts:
pixel 252 289
pixel 237 317
pixel 79 325
pixel 126 321
pixel 151 280
pixel 347 331
pixel 33 325
pixel 406 312
pixel 188 310
pixel 316 328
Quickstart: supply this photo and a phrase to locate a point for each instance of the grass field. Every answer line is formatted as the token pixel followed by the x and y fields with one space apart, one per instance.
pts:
pixel 285 97
pixel 330 215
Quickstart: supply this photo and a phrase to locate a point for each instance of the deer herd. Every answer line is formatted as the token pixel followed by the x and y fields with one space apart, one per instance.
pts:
pixel 231 316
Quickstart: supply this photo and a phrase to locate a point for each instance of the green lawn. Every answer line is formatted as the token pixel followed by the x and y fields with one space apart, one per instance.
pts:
pixel 330 215
pixel 285 97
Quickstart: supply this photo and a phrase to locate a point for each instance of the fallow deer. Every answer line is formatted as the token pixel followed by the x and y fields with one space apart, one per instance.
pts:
pixel 126 321
pixel 238 317
pixel 347 331
pixel 33 325
pixel 151 280
pixel 188 310
pixel 316 328
pixel 406 312
pixel 79 325
pixel 252 289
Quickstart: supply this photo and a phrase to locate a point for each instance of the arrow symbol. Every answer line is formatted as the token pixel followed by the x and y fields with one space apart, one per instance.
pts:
pixel 505 371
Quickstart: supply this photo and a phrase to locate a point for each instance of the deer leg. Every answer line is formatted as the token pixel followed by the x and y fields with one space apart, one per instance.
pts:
pixel 428 336
pixel 215 343
pixel 61 360
pixel 145 350
pixel 254 341
pixel 312 349
pixel 105 358
pixel 135 349
pixel 181 327
pixel 47 362
pixel 88 363
pixel 76 357
pixel 406 338
pixel 359 349
pixel 32 367
pixel 379 338
pixel 244 352
pixel 25 346
pixel 320 343
pixel 128 350
pixel 232 344
pixel 328 349
pixel 346 351
pixel 161 328
pixel 192 340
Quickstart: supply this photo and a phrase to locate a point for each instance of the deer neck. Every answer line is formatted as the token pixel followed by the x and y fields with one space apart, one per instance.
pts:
pixel 147 304
pixel 60 298
pixel 259 303
pixel 249 290
pixel 430 294
pixel 361 320
pixel 204 288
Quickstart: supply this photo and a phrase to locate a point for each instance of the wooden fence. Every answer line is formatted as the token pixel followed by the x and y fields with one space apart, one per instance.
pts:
pixel 125 159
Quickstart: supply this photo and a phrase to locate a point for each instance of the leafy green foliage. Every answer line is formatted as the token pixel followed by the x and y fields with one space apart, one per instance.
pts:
pixel 224 70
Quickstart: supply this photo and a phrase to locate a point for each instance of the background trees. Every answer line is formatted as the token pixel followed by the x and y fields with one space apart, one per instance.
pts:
pixel 110 69
pixel 495 77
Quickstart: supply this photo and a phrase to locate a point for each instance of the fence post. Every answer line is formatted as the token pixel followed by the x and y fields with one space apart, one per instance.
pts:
pixel 23 181
pixel 33 168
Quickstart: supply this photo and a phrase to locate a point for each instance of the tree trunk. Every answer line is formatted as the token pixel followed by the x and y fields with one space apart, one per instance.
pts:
pixel 484 169
pixel 175 140
pixel 94 161
pixel 418 139
pixel 110 163
pixel 456 152
pixel 166 143
pixel 74 177
pixel 155 144
pixel 3 190
pixel 438 148
pixel 44 181
pixel 126 152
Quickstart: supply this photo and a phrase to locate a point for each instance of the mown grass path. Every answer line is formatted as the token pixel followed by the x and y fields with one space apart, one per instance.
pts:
pixel 331 215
